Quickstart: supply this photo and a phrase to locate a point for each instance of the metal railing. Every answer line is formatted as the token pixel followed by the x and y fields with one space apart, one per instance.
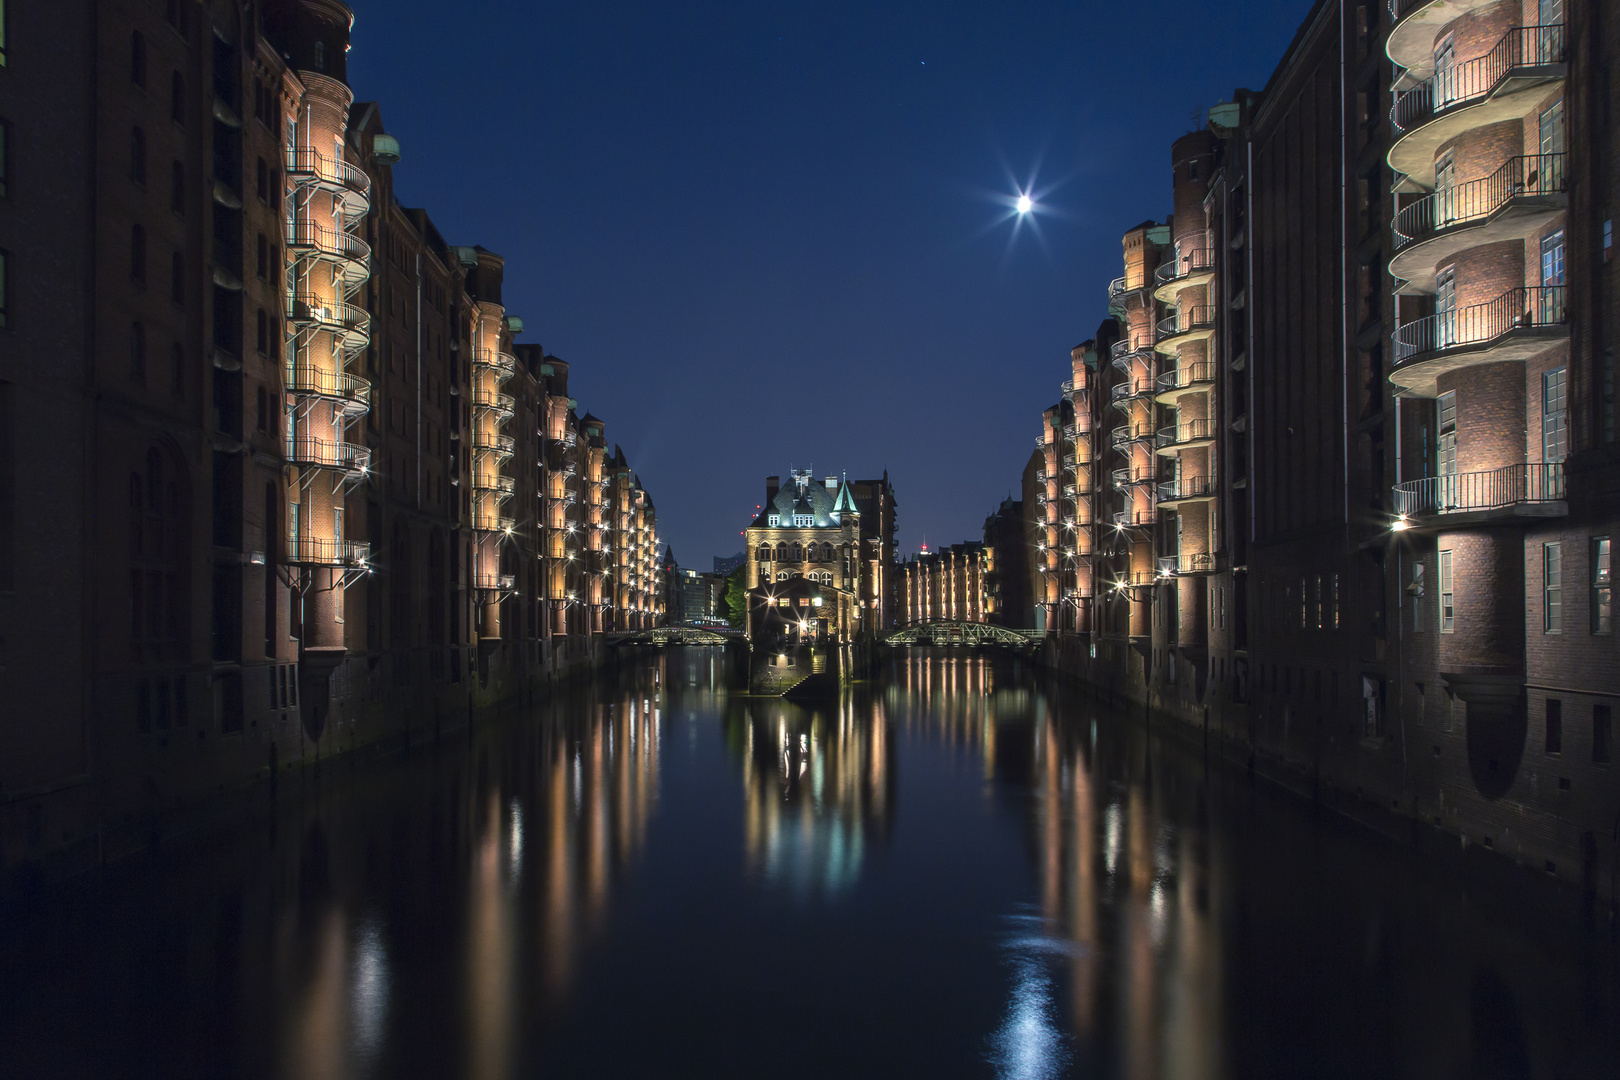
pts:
pixel 1117 288
pixel 1517 309
pixel 322 551
pixel 485 398
pixel 305 161
pixel 1127 433
pixel 1185 264
pixel 1461 492
pixel 1187 563
pixel 492 441
pixel 493 522
pixel 1182 377
pixel 1187 320
pixel 502 485
pixel 1461 204
pixel 1124 358
pixel 1188 487
pixel 1400 9
pixel 494 582
pixel 328 454
pixel 504 364
pixel 308 308
pixel 1184 432
pixel 351 389
pixel 1129 477
pixel 333 242
pixel 1474 80
pixel 1129 389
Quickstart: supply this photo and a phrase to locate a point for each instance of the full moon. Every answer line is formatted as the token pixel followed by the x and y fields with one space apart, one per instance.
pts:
pixel 1024 204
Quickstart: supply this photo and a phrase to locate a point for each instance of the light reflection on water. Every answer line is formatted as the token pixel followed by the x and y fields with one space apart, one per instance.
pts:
pixel 953 871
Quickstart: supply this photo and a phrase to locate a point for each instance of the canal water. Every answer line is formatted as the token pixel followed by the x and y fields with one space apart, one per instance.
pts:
pixel 957 870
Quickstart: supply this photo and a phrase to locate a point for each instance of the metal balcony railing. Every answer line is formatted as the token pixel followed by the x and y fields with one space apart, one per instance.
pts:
pixel 1510 485
pixel 503 364
pixel 1188 375
pixel 1135 578
pixel 1187 320
pixel 1475 80
pixel 492 442
pixel 1122 359
pixel 1399 9
pixel 1040 478
pixel 1517 309
pixel 497 483
pixel 1129 477
pixel 1127 433
pixel 1188 487
pixel 570 439
pixel 490 521
pixel 494 582
pixel 321 551
pixel 352 391
pixel 329 454
pixel 1117 289
pixel 1185 432
pixel 1185 264
pixel 1463 204
pixel 1040 441
pixel 1129 390
pixel 1197 562
pixel 304 163
pixel 335 314
pixel 1068 386
pixel 494 401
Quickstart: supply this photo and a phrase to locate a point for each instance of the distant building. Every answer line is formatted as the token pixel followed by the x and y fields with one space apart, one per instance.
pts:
pixel 808 559
pixel 1009 601
pixel 727 565
pixel 692 595
pixel 950 584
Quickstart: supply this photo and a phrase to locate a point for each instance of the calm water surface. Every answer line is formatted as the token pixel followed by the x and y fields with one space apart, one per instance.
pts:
pixel 957 871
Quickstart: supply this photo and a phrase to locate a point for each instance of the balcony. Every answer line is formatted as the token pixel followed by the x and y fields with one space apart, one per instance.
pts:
pixel 350 322
pixel 496 484
pixel 1524 490
pixel 350 254
pixel 1126 434
pixel 490 442
pixel 1131 477
pixel 321 551
pixel 1188 488
pixel 1197 562
pixel 1184 379
pixel 1417 23
pixel 1187 435
pixel 1513 203
pixel 1501 85
pixel 1515 326
pixel 502 583
pixel 1186 326
pixel 348 183
pixel 1124 394
pixel 503 364
pixel 329 454
pixel 1040 441
pixel 492 521
pixel 350 393
pixel 493 401
pixel 1185 270
pixel 1122 356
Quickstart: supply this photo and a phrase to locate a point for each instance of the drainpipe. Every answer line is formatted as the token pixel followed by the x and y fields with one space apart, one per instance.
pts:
pixel 419 380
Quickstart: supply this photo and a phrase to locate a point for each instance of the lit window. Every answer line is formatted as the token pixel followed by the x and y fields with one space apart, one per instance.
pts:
pixel 1552 588
pixel 1448 611
pixel 774 520
pixel 1554 416
pixel 1602 587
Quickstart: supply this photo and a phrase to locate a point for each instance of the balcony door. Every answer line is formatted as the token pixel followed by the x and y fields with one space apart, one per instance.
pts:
pixel 1445 74
pixel 1554 416
pixel 1446 480
pixel 1445 189
pixel 1550 302
pixel 1445 309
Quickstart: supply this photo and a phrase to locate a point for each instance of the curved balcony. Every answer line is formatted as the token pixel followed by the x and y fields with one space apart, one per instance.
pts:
pixel 1185 270
pixel 493 401
pixel 1184 379
pixel 1185 326
pixel 503 364
pixel 1501 85
pixel 321 551
pixel 499 485
pixel 350 322
pixel 351 393
pixel 1120 294
pixel 490 442
pixel 1187 435
pixel 329 454
pixel 492 521
pixel 1040 442
pixel 1130 477
pixel 1515 326
pixel 502 583
pixel 1124 358
pixel 1523 490
pixel 350 184
pixel 1127 434
pixel 1513 203
pixel 1188 488
pixel 1417 23
pixel 1134 519
pixel 1125 394
pixel 350 254
pixel 1193 562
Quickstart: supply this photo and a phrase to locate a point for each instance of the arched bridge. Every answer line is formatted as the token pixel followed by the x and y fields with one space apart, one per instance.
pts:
pixel 945 632
pixel 676 635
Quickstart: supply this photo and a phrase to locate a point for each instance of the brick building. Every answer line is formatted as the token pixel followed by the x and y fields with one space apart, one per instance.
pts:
pixel 306 494
pixel 950 584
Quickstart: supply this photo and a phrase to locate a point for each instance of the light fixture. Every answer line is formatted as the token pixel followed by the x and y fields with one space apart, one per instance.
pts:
pixel 1400 524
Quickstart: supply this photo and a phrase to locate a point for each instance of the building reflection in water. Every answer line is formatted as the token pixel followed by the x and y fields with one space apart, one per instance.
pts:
pixel 818 790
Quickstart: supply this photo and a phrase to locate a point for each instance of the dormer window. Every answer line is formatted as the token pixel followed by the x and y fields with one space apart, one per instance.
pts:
pixel 803 521
pixel 320 56
pixel 775 520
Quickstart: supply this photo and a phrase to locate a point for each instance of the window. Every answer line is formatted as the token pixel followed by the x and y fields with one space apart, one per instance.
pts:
pixel 137 254
pixel 774 520
pixel 137 354
pixel 261 175
pixel 262 409
pixel 1551 125
pixel 177 279
pixel 137 156
pixel 320 56
pixel 1608 238
pixel 1552 590
pixel 1552 258
pixel 263 258
pixel 177 98
pixel 177 188
pixel 137 59
pixel 1600 734
pixel 1602 587
pixel 263 333
pixel 1445 308
pixel 1448 611
pixel 1416 591
pixel 1555 726
pixel 1446 445
pixel 1554 417
pixel 177 362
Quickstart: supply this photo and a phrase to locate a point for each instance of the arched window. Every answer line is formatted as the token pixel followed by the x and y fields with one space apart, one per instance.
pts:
pixel 177 279
pixel 764 553
pixel 137 353
pixel 810 553
pixel 137 59
pixel 137 254
pixel 137 156
pixel 826 553
pixel 177 98
pixel 781 575
pixel 781 551
pixel 798 552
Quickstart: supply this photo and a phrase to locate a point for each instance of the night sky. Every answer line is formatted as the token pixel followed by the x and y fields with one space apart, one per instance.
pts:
pixel 770 235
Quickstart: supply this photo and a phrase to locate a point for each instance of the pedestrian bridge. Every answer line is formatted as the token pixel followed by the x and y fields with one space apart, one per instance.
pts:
pixel 945 632
pixel 676 635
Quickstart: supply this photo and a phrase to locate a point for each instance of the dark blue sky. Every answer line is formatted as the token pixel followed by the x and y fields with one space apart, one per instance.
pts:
pixel 774 234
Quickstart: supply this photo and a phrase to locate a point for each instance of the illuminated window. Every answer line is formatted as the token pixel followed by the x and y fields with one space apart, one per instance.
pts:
pixel 1602 586
pixel 1554 416
pixel 1552 588
pixel 1448 611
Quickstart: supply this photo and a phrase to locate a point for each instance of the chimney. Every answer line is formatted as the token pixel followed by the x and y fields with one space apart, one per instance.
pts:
pixel 773 484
